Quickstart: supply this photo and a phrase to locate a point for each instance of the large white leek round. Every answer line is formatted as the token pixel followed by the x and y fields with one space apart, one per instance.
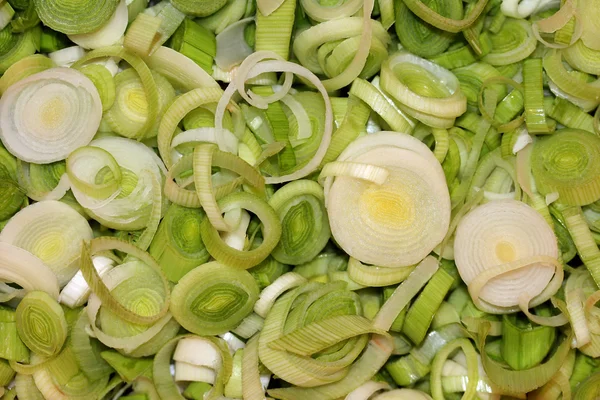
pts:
pixel 52 231
pixel 46 116
pixel 396 223
pixel 502 232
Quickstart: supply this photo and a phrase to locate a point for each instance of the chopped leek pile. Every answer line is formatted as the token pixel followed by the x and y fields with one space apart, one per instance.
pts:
pixel 299 199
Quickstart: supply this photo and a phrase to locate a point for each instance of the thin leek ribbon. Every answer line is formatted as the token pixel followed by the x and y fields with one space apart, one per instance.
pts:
pixel 136 287
pixel 303 217
pixel 103 292
pixel 389 211
pixel 295 365
pixel 205 157
pixel 62 99
pixel 525 380
pixel 53 232
pixel 213 298
pixel 254 67
pixel 445 23
pixel 328 47
pixel 271 229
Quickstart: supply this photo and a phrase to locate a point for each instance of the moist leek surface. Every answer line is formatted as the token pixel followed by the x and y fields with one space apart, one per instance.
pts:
pixel 299 199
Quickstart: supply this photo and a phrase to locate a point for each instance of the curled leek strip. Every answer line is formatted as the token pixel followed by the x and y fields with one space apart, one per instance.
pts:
pixel 74 18
pixel 49 114
pixel 430 16
pixel 108 34
pixel 567 163
pixel 305 227
pixel 254 66
pixel 213 298
pixel 205 157
pixel 399 222
pixel 83 167
pixel 327 49
pixel 271 231
pixel 424 90
pixel 512 237
pixel 136 287
pixel 290 360
pixel 53 232
pixel 41 323
pixel 100 289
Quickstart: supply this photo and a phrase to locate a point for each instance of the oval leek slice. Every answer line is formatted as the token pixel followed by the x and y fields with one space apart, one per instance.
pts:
pixel 213 298
pixel 49 114
pixel 502 232
pixel 567 163
pixel 75 17
pixel 303 217
pixel 52 231
pixel 41 323
pixel 397 223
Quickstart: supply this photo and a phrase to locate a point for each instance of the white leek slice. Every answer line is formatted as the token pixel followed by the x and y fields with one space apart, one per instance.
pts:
pixel 26 270
pixel 269 294
pixel 140 166
pixel 233 342
pixel 366 390
pixel 108 34
pixel 236 239
pixel 67 56
pixel 197 359
pixel 408 394
pixel 77 291
pixel 52 231
pixel 46 116
pixel 232 48
pixel 397 223
pixel 502 232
